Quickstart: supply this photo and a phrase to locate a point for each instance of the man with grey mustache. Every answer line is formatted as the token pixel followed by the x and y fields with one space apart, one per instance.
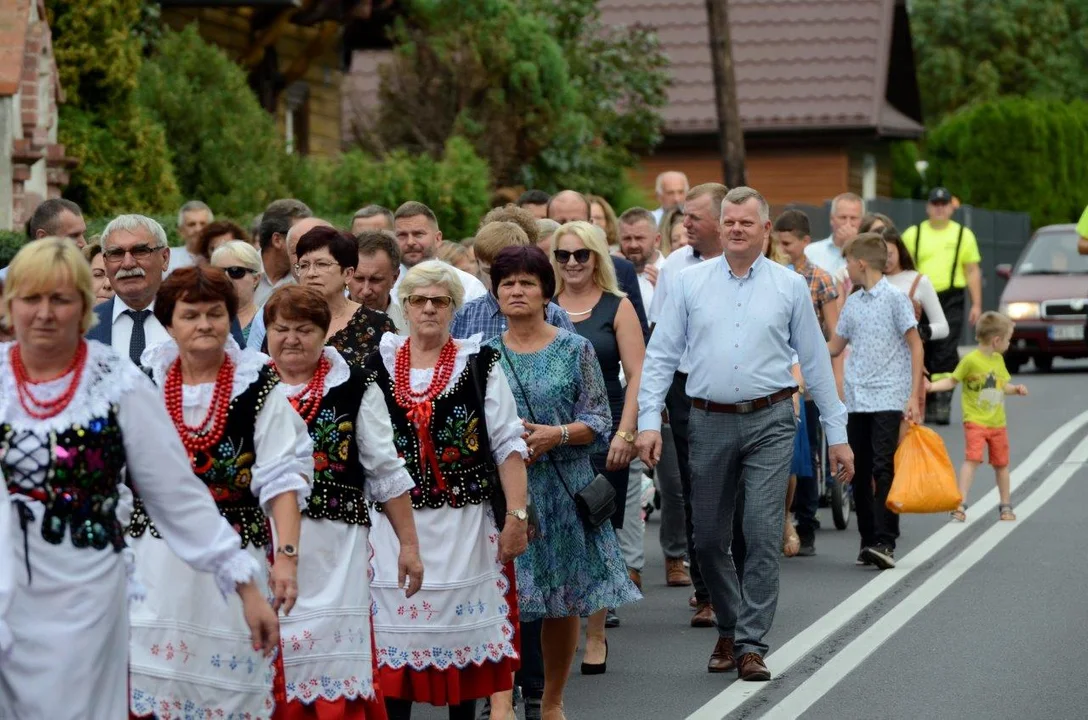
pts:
pixel 136 254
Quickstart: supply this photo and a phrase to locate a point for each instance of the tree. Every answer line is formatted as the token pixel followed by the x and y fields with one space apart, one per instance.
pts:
pixel 1016 154
pixel 730 132
pixel 123 161
pixel 223 145
pixel 544 92
pixel 979 50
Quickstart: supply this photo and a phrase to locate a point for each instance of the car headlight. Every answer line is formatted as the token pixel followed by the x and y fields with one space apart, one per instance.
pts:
pixel 1021 310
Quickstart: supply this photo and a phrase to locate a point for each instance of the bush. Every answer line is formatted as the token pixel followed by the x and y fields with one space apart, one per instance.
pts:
pixel 123 163
pixel 906 180
pixel 223 145
pixel 1016 154
pixel 10 242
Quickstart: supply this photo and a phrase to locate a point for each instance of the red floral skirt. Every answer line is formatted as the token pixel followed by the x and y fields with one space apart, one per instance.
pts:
pixel 454 686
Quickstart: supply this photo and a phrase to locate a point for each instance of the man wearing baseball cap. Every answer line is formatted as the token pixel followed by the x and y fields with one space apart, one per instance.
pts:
pixel 946 252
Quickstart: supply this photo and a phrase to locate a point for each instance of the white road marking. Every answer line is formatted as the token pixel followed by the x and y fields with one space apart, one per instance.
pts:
pixel 800 645
pixel 832 672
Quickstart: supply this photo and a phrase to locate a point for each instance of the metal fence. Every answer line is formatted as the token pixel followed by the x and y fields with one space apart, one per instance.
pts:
pixel 1001 236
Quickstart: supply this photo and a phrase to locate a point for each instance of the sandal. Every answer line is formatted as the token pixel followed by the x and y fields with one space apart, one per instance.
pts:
pixel 1005 512
pixel 960 514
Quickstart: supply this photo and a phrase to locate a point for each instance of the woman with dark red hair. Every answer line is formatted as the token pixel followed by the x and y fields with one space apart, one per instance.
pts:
pixel 251 449
pixel 326 262
pixel 328 659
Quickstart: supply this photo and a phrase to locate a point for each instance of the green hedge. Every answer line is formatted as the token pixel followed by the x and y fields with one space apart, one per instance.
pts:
pixel 1016 154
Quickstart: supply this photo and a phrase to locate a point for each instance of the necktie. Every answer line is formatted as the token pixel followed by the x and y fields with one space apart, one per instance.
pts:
pixel 138 341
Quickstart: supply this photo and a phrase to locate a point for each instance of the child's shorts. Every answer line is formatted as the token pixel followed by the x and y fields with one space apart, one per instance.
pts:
pixel 979 437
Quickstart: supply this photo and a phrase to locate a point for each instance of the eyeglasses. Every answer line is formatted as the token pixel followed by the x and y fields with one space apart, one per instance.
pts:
pixel 322 266
pixel 139 252
pixel 236 272
pixel 441 302
pixel 580 256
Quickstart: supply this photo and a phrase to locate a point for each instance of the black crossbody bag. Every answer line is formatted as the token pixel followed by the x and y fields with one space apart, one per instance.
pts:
pixel 595 502
pixel 498 497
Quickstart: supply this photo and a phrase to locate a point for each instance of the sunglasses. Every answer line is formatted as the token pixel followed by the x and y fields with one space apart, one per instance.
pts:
pixel 580 256
pixel 235 272
pixel 441 302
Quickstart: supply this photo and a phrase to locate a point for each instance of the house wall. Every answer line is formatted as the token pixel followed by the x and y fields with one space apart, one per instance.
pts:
pixel 8 123
pixel 230 30
pixel 782 175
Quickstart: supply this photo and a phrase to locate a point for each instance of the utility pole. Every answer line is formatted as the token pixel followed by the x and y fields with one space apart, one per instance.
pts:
pixel 730 133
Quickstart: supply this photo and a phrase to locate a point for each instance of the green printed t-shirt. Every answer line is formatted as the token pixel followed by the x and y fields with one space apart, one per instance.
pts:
pixel 984 379
pixel 938 252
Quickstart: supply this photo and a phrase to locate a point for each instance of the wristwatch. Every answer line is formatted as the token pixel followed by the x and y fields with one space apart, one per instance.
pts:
pixel 626 435
pixel 288 551
pixel 521 514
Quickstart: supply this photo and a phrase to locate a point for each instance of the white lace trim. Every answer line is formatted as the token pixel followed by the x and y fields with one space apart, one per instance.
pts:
pixel 247 368
pixel 328 688
pixel 339 373
pixel 386 487
pixel 421 377
pixel 508 448
pixel 291 480
pixel 106 378
pixel 239 568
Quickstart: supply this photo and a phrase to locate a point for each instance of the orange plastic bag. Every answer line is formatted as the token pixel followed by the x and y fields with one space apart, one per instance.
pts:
pixel 925 481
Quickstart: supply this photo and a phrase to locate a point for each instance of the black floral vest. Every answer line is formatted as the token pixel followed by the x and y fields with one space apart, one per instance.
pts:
pixel 456 423
pixel 227 469
pixel 339 480
pixel 80 488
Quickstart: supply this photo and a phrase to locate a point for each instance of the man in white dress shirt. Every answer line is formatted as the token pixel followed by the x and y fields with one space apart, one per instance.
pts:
pixel 136 256
pixel 418 237
pixel 846 212
pixel 193 217
pixel 276 221
pixel 375 275
pixel 640 242
pixel 740 319
pixel 671 187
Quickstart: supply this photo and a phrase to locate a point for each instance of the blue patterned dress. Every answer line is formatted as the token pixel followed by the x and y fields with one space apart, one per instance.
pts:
pixel 568 570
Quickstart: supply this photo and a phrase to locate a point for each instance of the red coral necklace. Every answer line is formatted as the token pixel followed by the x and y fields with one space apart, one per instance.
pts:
pixel 45 409
pixel 308 400
pixel 199 438
pixel 420 406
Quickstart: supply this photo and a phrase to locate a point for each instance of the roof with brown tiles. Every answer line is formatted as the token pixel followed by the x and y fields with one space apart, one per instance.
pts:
pixel 799 64
pixel 14 18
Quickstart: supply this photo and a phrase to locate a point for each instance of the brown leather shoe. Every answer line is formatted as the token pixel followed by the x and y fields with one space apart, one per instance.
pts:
pixel 676 575
pixel 704 616
pixel 721 660
pixel 753 669
pixel 636 577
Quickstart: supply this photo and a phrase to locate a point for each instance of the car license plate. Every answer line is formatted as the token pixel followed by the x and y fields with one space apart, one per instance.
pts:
pixel 1067 333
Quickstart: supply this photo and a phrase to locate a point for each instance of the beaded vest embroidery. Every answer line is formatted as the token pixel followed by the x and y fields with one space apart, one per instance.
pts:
pixel 227 467
pixel 468 474
pixel 339 480
pixel 79 484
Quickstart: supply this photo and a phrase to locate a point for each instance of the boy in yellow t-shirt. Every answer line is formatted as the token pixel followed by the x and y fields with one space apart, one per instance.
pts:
pixel 985 385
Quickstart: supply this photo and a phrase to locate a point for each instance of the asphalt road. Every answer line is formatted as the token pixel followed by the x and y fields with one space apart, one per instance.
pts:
pixel 1003 637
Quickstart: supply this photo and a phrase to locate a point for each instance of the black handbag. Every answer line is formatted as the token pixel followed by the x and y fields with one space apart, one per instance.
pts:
pixel 498 497
pixel 596 502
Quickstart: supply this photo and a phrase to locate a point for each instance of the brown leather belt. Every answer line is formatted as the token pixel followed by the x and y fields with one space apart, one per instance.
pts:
pixel 743 408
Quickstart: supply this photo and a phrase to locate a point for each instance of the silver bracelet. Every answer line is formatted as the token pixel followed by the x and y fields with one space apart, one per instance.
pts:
pixel 566 435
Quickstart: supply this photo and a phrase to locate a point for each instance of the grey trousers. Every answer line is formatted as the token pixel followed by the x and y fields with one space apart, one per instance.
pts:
pixel 729 454
pixel 632 534
pixel 673 533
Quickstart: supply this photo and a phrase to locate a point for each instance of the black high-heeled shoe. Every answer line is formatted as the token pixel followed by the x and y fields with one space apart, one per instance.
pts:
pixel 597 668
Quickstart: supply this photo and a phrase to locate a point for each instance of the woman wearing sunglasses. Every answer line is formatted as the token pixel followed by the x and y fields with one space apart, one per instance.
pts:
pixel 586 288
pixel 242 264
pixel 326 262
pixel 455 423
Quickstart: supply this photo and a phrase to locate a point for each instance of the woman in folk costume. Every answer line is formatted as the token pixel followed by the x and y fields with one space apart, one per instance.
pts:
pixel 189 653
pixel 73 413
pixel 328 660
pixel 456 425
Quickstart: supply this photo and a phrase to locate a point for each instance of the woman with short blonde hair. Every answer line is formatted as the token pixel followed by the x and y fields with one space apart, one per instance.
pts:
pixel 40 265
pixel 242 264
pixel 431 272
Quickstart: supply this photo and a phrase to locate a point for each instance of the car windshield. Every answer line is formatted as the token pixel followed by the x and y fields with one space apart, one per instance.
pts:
pixel 1053 253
